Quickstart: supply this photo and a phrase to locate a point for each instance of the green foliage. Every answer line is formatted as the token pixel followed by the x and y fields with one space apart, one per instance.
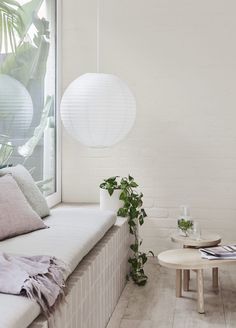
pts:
pixel 11 24
pixel 26 61
pixel 15 21
pixel 185 225
pixel 6 150
pixel 28 13
pixel 110 185
pixel 133 210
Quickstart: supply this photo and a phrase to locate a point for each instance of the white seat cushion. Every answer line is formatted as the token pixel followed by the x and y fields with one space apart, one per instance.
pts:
pixel 72 234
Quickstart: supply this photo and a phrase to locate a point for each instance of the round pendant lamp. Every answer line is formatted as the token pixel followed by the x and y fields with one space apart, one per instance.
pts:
pixel 98 109
pixel 16 107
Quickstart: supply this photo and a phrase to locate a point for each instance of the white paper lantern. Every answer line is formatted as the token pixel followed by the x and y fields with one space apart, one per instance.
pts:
pixel 98 109
pixel 16 107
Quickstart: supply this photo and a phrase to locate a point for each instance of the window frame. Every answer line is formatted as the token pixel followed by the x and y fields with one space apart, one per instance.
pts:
pixel 56 197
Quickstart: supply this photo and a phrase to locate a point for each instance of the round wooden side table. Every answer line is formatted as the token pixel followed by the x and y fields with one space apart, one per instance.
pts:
pixel 206 240
pixel 189 259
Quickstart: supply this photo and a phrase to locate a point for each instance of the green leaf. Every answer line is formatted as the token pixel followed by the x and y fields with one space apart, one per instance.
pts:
pixel 141 221
pixel 130 178
pixel 131 230
pixel 131 223
pixel 133 213
pixel 122 212
pixel 124 185
pixel 110 191
pixel 134 184
pixel 143 213
pixel 112 180
pixel 143 256
pixel 134 247
pixel 123 196
pixel 102 185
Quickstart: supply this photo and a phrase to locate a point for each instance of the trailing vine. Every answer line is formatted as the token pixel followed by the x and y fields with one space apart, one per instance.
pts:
pixel 135 213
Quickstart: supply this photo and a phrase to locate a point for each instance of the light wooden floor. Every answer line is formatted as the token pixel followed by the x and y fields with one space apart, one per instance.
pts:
pixel 155 305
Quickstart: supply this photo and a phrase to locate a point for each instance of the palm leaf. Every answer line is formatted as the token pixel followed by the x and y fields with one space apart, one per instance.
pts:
pixel 28 12
pixel 11 24
pixel 30 61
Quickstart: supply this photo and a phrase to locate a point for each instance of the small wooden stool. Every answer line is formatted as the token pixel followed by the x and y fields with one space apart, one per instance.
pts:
pixel 189 259
pixel 206 240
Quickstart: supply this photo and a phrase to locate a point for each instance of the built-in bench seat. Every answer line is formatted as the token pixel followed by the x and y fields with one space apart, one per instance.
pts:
pixel 73 232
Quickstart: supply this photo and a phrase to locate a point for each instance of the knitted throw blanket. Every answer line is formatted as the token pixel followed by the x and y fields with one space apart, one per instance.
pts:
pixel 41 278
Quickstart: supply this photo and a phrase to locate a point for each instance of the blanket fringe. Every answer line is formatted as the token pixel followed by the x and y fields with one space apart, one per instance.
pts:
pixel 43 287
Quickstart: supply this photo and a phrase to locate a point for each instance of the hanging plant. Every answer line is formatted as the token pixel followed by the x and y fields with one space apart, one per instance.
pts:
pixel 133 210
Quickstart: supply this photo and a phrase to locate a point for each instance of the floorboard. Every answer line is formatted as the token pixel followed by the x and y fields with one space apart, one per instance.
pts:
pixel 155 305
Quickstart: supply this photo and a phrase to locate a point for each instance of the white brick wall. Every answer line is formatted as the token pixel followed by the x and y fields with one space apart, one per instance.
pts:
pixel 178 57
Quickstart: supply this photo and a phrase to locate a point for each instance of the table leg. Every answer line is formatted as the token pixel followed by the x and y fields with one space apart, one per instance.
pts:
pixel 215 278
pixel 200 291
pixel 186 280
pixel 178 283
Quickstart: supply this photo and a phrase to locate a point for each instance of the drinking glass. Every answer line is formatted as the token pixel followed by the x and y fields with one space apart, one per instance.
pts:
pixel 196 231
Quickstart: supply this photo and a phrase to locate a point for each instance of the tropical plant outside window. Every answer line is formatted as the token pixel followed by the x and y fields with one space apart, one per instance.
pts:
pixel 28 88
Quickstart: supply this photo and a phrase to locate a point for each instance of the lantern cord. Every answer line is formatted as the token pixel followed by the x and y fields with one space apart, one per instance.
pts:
pixel 98 35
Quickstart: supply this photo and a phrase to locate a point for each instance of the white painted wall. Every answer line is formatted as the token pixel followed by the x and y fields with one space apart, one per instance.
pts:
pixel 179 58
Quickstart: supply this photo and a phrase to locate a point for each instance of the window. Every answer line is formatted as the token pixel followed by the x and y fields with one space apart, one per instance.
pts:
pixel 28 88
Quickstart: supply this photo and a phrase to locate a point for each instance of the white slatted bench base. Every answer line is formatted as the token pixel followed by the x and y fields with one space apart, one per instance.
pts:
pixel 95 286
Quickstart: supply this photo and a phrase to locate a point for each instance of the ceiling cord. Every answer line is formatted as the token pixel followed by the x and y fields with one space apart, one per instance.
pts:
pixel 98 36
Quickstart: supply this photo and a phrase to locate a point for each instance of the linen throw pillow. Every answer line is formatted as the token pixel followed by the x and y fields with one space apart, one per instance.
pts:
pixel 29 189
pixel 16 215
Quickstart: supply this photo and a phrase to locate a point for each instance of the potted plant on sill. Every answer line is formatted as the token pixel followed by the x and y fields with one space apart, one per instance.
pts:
pixel 128 203
pixel 110 195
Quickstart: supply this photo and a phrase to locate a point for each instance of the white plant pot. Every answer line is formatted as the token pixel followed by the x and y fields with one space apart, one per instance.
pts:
pixel 111 203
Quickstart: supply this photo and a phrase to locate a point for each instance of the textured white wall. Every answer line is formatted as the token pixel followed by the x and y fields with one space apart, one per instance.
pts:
pixel 179 58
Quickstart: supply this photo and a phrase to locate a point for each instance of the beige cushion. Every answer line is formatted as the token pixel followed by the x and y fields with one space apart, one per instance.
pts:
pixel 16 215
pixel 29 189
